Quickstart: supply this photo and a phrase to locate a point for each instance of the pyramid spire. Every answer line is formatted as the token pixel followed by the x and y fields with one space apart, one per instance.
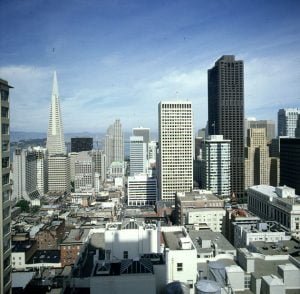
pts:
pixel 55 137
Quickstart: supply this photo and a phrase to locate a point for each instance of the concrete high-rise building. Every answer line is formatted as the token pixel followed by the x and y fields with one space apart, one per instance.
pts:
pixel 138 155
pixel 59 182
pixel 25 185
pixel 114 143
pixel 55 136
pixel 99 159
pixel 81 144
pixel 41 169
pixel 257 161
pixel 5 190
pixel 84 172
pixel 287 121
pixel 216 161
pixel 268 125
pixel 290 163
pixel 72 158
pixel 226 113
pixel 175 148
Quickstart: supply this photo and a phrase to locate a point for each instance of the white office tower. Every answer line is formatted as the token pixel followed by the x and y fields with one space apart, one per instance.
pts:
pixel 142 190
pixel 41 169
pixel 287 121
pixel 175 148
pixel 25 175
pixel 55 136
pixel 5 190
pixel 59 182
pixel 257 161
pixel 216 159
pixel 138 155
pixel 84 172
pixel 114 143
pixel 99 159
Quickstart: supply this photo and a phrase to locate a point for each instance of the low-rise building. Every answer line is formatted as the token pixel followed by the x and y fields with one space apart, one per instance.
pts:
pixel 200 206
pixel 51 235
pixel 261 231
pixel 141 190
pixel 280 204
pixel 72 244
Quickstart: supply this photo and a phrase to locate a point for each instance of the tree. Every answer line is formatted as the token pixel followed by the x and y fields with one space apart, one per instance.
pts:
pixel 24 205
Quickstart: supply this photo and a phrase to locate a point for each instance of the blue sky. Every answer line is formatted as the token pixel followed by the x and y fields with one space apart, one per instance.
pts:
pixel 118 59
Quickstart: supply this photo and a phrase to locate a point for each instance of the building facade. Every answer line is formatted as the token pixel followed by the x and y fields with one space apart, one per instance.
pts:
pixel 81 144
pixel 280 204
pixel 268 125
pixel 175 148
pixel 59 182
pixel 290 163
pixel 84 172
pixel 217 161
pixel 257 161
pixel 138 155
pixel 226 113
pixel 287 121
pixel 114 143
pixel 141 190
pixel 5 189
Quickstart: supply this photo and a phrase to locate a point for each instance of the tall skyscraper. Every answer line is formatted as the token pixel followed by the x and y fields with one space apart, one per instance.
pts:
pixel 99 160
pixel 287 121
pixel 58 162
pixel 59 180
pixel 226 113
pixel 290 163
pixel 268 125
pixel 175 148
pixel 114 143
pixel 216 160
pixel 41 169
pixel 55 136
pixel 257 161
pixel 5 190
pixel 138 155
pixel 25 185
pixel 81 144
pixel 84 172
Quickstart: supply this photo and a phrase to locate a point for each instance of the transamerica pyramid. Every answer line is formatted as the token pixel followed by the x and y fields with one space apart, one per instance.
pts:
pixel 55 136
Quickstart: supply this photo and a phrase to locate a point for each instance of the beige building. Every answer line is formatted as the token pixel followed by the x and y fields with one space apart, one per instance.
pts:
pixel 175 148
pixel 59 182
pixel 257 161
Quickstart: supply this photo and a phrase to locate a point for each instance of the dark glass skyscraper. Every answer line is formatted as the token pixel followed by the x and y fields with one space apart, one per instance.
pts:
pixel 226 113
pixel 81 144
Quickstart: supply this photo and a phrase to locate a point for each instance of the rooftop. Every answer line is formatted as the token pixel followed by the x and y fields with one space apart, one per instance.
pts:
pixel 76 236
pixel 45 256
pixel 215 237
pixel 173 240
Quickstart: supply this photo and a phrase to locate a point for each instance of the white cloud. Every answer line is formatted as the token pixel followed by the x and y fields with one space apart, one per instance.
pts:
pixel 30 97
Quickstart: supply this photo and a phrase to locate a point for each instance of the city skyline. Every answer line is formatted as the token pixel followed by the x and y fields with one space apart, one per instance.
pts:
pixel 162 52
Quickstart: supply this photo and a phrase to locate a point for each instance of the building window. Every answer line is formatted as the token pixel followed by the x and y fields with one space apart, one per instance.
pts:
pixel 179 267
pixel 125 254
pixel 190 283
pixel 5 129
